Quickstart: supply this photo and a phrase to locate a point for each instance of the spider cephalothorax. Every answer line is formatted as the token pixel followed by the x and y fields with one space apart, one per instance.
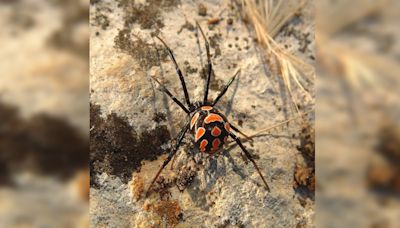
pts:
pixel 210 127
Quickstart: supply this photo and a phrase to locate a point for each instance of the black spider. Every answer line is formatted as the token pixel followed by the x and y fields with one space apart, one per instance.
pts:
pixel 209 126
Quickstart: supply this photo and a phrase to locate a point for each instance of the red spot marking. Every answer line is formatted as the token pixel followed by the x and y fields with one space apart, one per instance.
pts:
pixel 215 131
pixel 194 119
pixel 199 133
pixel 227 127
pixel 226 139
pixel 212 118
pixel 206 108
pixel 203 145
pixel 215 144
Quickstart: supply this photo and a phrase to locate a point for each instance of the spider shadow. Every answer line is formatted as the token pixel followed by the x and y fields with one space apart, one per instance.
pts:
pixel 229 105
pixel 210 170
pixel 165 98
pixel 213 168
pixel 199 48
pixel 237 169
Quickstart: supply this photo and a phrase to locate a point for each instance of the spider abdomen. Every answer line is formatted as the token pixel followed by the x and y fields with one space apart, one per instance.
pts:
pixel 210 129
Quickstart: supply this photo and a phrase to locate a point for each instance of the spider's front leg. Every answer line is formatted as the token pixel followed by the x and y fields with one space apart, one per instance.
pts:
pixel 171 154
pixel 178 71
pixel 248 155
pixel 223 91
pixel 209 64
pixel 165 90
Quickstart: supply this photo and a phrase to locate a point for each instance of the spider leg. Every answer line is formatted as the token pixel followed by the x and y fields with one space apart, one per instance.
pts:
pixel 248 155
pixel 240 132
pixel 178 71
pixel 209 64
pixel 165 90
pixel 171 154
pixel 225 88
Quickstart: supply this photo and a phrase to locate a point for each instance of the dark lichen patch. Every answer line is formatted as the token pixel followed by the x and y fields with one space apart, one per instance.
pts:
pixel 189 69
pixel 383 172
pixel 102 21
pixel 304 174
pixel 41 144
pixel 189 26
pixel 147 54
pixel 229 223
pixel 214 43
pixel 116 148
pixel 73 15
pixel 304 42
pixel 147 15
pixel 159 117
pixel 241 117
pixel 303 38
pixel 93 2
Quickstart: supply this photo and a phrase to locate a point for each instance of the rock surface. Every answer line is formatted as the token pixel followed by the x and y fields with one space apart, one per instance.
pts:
pixel 44 114
pixel 129 113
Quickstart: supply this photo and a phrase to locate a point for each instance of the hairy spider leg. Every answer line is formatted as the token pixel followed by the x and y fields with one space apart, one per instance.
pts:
pixel 248 155
pixel 171 154
pixel 209 64
pixel 223 91
pixel 178 71
pixel 165 90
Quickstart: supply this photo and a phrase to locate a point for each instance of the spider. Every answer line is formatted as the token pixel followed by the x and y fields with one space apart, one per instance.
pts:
pixel 209 126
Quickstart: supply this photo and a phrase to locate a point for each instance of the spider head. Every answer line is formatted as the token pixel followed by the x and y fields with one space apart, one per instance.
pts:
pixel 198 104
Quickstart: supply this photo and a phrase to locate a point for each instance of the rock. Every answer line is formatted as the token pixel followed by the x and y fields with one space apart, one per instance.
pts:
pixel 217 191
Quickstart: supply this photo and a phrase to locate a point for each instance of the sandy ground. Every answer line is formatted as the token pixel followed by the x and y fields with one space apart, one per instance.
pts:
pixel 131 121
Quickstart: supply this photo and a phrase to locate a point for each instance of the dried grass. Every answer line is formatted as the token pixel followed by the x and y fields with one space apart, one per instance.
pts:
pixel 266 130
pixel 359 68
pixel 267 18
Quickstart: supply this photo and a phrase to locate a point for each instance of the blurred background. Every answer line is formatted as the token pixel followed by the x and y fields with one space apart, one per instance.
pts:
pixel 358 114
pixel 44 113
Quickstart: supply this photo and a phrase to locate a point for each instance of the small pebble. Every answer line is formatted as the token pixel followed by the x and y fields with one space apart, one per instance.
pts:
pixel 213 21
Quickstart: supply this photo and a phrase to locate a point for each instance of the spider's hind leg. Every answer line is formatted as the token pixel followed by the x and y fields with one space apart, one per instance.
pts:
pixel 240 132
pixel 248 155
